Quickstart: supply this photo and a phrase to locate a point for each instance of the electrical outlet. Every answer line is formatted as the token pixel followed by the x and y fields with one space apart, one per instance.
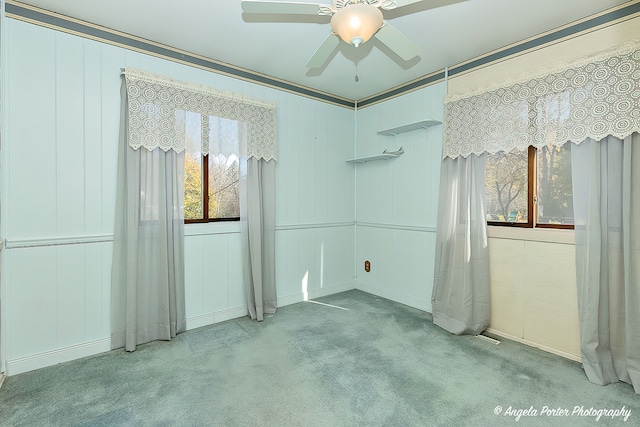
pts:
pixel 367 266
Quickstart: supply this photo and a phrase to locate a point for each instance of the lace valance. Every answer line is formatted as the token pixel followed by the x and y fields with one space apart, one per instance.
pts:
pixel 590 98
pixel 159 108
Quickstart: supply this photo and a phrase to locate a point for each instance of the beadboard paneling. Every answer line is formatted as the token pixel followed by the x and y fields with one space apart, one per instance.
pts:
pixel 396 209
pixel 402 263
pixel 317 260
pixel 551 295
pixel 506 266
pixel 533 290
pixel 55 297
pixel 61 124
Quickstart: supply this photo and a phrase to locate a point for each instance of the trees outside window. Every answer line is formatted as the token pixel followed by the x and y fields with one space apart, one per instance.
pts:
pixel 554 196
pixel 213 175
pixel 506 182
pixel 530 188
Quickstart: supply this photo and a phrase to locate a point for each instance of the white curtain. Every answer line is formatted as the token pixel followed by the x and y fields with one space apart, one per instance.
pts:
pixel 606 192
pixel 147 294
pixel 150 197
pixel 158 106
pixel 257 221
pixel 460 299
pixel 591 97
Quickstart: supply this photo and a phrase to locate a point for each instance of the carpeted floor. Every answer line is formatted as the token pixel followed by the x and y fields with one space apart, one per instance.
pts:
pixel 350 359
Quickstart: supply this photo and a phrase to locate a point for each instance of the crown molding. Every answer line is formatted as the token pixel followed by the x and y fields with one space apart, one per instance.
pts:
pixel 37 16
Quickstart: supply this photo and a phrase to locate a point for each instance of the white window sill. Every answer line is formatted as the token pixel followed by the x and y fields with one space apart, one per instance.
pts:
pixel 549 235
pixel 202 229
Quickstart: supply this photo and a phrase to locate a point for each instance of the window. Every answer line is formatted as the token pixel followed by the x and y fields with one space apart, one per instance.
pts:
pixel 530 188
pixel 506 182
pixel 211 181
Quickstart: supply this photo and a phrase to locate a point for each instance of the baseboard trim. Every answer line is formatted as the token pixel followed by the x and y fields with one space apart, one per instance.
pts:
pixel 53 357
pixel 216 317
pixel 285 300
pixel 91 348
pixel 548 349
pixel 411 301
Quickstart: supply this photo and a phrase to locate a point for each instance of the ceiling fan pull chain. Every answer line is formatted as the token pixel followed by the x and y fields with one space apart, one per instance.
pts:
pixel 356 79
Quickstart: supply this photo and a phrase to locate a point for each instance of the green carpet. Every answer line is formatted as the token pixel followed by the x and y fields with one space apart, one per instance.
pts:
pixel 350 359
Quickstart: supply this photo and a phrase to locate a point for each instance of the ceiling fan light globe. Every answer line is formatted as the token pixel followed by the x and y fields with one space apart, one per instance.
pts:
pixel 356 23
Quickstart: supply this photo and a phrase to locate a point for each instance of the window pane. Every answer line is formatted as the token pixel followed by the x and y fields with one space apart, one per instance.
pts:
pixel 555 197
pixel 506 186
pixel 224 167
pixel 224 190
pixel 193 168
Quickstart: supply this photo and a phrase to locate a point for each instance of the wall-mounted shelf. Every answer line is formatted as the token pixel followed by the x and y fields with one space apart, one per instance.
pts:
pixel 423 124
pixel 386 155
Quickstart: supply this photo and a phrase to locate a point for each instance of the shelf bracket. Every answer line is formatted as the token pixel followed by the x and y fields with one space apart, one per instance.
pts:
pixel 395 153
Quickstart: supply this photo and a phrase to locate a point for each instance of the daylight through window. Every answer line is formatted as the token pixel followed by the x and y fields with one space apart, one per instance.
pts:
pixel 211 181
pixel 530 188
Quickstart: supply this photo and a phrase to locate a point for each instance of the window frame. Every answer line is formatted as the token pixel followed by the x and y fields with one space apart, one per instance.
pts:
pixel 532 202
pixel 205 198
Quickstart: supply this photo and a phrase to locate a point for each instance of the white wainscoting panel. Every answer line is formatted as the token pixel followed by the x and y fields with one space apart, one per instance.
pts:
pixel 551 295
pixel 213 275
pixel 55 300
pixel 313 262
pixel 401 264
pixel 534 296
pixel 506 266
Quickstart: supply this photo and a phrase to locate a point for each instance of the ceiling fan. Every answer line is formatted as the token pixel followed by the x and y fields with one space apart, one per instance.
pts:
pixel 353 21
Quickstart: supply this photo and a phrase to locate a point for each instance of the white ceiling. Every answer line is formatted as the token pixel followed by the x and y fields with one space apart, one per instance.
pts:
pixel 280 46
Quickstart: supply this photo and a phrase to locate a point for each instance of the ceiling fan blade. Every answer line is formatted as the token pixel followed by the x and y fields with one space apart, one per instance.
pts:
pixel 397 42
pixel 324 51
pixel 279 7
pixel 431 4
